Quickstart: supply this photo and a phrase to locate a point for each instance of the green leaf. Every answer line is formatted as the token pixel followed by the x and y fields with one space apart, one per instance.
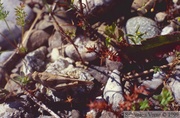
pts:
pixel 133 108
pixel 3 13
pixel 22 50
pixel 165 97
pixel 108 41
pixel 144 105
pixel 110 30
pixel 130 35
pixel 23 80
pixel 20 15
pixel 156 69
pixel 151 45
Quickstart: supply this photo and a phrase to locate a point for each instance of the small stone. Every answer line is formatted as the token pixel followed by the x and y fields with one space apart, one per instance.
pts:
pixel 54 54
pixel 55 40
pixel 175 23
pixel 167 30
pixel 82 43
pixel 170 58
pixel 146 26
pixel 113 65
pixel 92 4
pixel 3 78
pixel 16 109
pixel 113 90
pixel 12 86
pixel 107 114
pixel 103 10
pixel 34 61
pixel 64 19
pixel 99 73
pixel 176 2
pixel 57 66
pixel 142 6
pixel 37 39
pixel 10 36
pixel 45 24
pixel 91 114
pixel 174 84
pixel 160 17
pixel 5 55
pixel 155 82
pixel 75 114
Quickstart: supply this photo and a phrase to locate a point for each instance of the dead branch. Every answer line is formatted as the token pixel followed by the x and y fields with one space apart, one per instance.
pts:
pixel 146 72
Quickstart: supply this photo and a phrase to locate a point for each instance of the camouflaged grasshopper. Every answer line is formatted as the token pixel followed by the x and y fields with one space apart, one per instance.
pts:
pixel 58 82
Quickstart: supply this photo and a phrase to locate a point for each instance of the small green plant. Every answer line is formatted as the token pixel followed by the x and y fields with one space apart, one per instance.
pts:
pixel 157 69
pixel 3 14
pixel 137 37
pixel 22 80
pixel 45 4
pixel 21 21
pixel 110 32
pixel 144 105
pixel 165 98
pixel 21 16
pixel 70 33
pixel 134 102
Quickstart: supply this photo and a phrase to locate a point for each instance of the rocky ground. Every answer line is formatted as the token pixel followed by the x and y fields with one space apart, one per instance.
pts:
pixel 88 58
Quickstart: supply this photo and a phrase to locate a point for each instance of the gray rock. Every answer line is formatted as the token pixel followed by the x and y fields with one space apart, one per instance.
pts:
pixel 54 54
pixel 5 55
pixel 161 16
pixel 167 30
pixel 37 39
pixel 170 58
pixel 155 82
pixel 175 84
pixel 176 1
pixel 12 86
pixel 75 114
pixel 57 66
pixel 34 61
pixel 143 6
pixel 15 109
pixel 44 23
pixel 3 78
pixel 175 23
pixel 92 5
pixel 113 65
pixel 91 114
pixel 82 43
pixel 107 114
pixel 9 36
pixel 145 25
pixel 99 73
pixel 55 40
pixel 62 66
pixel 64 19
pixel 103 10
pixel 113 90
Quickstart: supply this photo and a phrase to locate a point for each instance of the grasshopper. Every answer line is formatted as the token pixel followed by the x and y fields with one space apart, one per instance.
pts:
pixel 58 82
